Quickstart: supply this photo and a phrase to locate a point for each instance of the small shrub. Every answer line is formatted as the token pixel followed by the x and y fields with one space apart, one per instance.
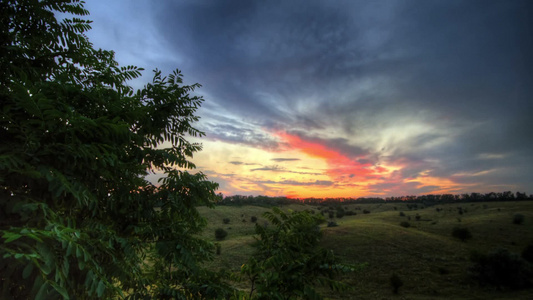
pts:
pixel 331 214
pixel 461 233
pixel 402 214
pixel 350 213
pixel 417 217
pixel 527 253
pixel 253 219
pixel 443 271
pixel 220 234
pixel 226 220
pixel 518 219
pixel 405 224
pixel 501 268
pixel 340 213
pixel 366 211
pixel 396 282
pixel 218 248
pixel 332 224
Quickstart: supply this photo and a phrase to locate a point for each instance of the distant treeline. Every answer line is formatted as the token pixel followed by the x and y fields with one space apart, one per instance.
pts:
pixel 424 199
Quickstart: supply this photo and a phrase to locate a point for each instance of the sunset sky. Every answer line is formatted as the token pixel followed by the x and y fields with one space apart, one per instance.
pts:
pixel 344 98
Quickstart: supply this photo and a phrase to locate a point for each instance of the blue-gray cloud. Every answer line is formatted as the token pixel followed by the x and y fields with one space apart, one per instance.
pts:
pixel 353 74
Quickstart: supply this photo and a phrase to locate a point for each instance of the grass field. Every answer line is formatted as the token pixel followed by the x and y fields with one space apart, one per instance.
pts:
pixel 431 263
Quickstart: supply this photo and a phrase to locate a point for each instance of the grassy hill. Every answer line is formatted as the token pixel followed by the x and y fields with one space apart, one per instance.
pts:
pixel 431 263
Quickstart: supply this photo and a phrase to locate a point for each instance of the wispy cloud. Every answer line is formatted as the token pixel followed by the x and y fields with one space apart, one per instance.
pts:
pixel 284 159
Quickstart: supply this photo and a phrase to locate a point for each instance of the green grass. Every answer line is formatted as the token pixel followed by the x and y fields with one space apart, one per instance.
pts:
pixel 431 263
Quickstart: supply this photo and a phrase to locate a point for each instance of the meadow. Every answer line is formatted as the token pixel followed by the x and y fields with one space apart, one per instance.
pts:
pixel 431 263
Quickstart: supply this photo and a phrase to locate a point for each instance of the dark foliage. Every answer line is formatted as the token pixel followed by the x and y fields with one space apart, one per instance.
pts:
pixel 396 282
pixel 253 219
pixel 501 268
pixel 405 224
pixel 462 233
pixel 518 219
pixel 226 220
pixel 220 234
pixel 527 253
pixel 332 224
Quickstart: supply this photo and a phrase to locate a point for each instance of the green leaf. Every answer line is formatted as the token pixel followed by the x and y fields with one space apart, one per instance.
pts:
pixel 9 236
pixel 27 270
pixel 61 290
pixel 42 293
pixel 100 289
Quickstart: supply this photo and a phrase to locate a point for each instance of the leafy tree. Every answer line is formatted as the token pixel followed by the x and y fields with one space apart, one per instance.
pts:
pixel 288 262
pixel 461 233
pixel 78 219
pixel 220 234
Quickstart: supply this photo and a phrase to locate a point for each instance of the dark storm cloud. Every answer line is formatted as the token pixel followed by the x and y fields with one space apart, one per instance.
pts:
pixel 360 67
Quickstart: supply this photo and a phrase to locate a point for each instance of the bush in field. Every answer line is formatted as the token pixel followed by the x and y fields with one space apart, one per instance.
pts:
pixel 218 248
pixel 462 233
pixel 527 253
pixel 340 213
pixel 332 224
pixel 417 217
pixel 288 262
pixel 350 213
pixel 518 219
pixel 366 211
pixel 331 214
pixel 220 234
pixel 253 219
pixel 226 220
pixel 405 224
pixel 402 214
pixel 396 282
pixel 501 268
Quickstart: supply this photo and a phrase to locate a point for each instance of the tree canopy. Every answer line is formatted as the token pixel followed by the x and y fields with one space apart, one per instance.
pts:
pixel 78 219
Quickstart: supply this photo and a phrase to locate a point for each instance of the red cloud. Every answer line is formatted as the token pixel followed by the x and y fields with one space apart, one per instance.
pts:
pixel 339 164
